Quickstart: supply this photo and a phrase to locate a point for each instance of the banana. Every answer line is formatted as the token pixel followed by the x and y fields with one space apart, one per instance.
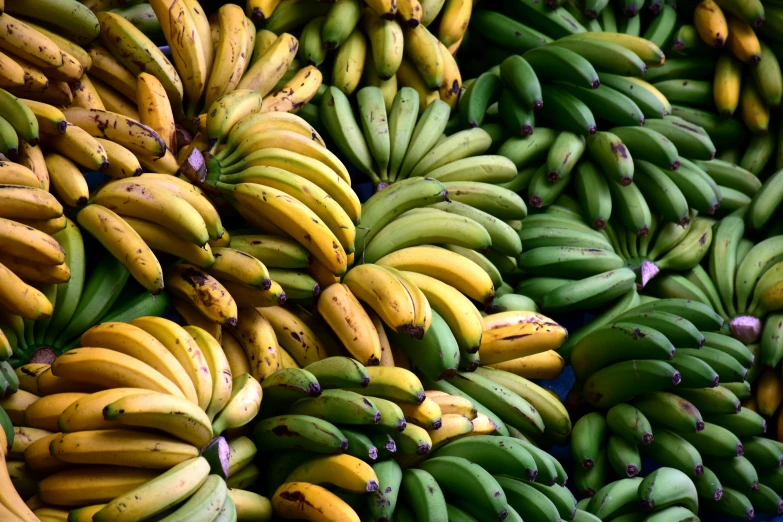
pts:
pixel 312 233
pixel 258 340
pixel 439 227
pixel 522 495
pixel 231 54
pixel 346 317
pixel 351 473
pixel 91 484
pixel 318 502
pixel 338 118
pixel 124 243
pixel 106 68
pixel 296 92
pixel 421 47
pixel 139 54
pixel 714 441
pixel 423 494
pixel 163 239
pixel 121 447
pixel 193 285
pixel 714 400
pixel 155 108
pixel 647 375
pixel 386 41
pixel 736 472
pixel 157 495
pixel 670 449
pixel 456 147
pixel 306 192
pixel 341 406
pixel 242 406
pixel 110 99
pixel 691 140
pixel 286 386
pixel 43 413
pixel 67 181
pixel 575 262
pixel 591 291
pixel 670 411
pixel 305 347
pixel 30 245
pixel 77 145
pixel 299 431
pixel 589 435
pixel 665 487
pixel 219 369
pixel 375 126
pixel 446 266
pixel 623 456
pixel 182 35
pixel 436 354
pixel 349 61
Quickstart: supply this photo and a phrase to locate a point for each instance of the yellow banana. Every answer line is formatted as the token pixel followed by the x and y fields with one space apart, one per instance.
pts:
pixel 11 73
pixel 173 415
pixel 160 238
pixel 519 340
pixel 18 202
pixel 88 485
pixel 231 53
pixel 21 299
pixel 385 293
pixel 131 134
pixel 31 156
pixel 254 296
pixel 446 266
pixel 131 340
pixel 349 62
pixel 239 267
pixel 28 375
pixel 29 244
pixel 742 41
pixel 20 39
pixel 386 40
pixel 109 70
pixel 124 243
pixel 544 365
pixel 113 101
pixel 294 336
pixel 258 340
pixel 65 45
pixel 408 76
pixel 710 23
pixel 128 197
pixel 301 499
pixel 122 447
pixel 12 507
pixel 344 471
pixel 85 94
pixel 79 146
pixel 122 162
pixel 35 81
pixel 727 83
pixel 44 413
pixel 458 311
pixel 67 180
pixel 187 51
pixel 384 8
pixel 243 405
pixel 769 392
pixel 409 12
pixel 269 69
pixel 421 47
pixel 38 458
pixel 155 108
pixel 51 120
pixel 108 369
pixel 452 79
pixel 292 216
pixel 190 283
pixel 23 438
pixel 16 404
pixel 218 368
pixel 179 342
pixel 754 112
pixel 86 414
pixel 421 306
pixel 49 226
pixel 260 10
pixel 454 21
pixel 237 359
pixel 139 54
pixel 190 193
pixel 453 427
pixel 296 92
pixel 49 384
pixel 452 404
pixel 427 414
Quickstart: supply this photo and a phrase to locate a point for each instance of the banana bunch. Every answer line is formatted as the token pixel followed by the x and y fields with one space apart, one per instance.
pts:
pixel 382 44
pixel 352 418
pixel 142 405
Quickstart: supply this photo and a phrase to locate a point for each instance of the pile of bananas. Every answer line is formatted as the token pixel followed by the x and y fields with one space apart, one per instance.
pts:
pixel 124 427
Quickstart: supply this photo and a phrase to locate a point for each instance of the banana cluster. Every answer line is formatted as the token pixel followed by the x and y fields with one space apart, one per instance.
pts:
pixel 352 418
pixel 383 44
pixel 126 427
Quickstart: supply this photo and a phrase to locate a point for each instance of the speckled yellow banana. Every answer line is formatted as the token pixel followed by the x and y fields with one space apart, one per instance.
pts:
pixel 231 53
pixel 350 322
pixel 258 339
pixel 124 243
pixel 269 69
